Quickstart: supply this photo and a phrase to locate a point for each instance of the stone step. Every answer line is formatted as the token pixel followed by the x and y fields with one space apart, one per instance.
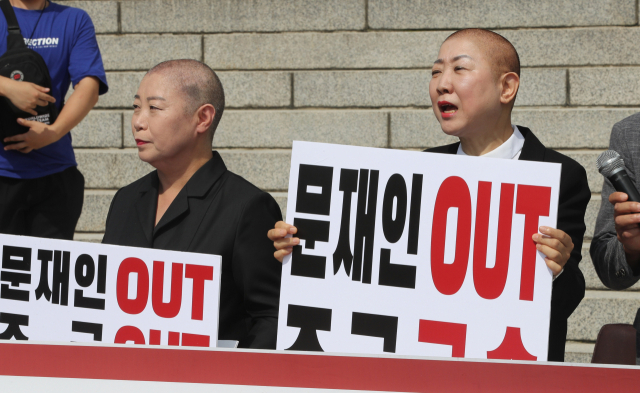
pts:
pixel 408 88
pixel 242 89
pixel 99 129
pixel 88 237
pixel 599 308
pixel 415 129
pixel 104 14
pixel 433 14
pixel 408 49
pixel 590 86
pixel 143 51
pixel 182 16
pixel 334 50
pixel 112 168
pixel 95 210
pixel 578 352
pixel 190 16
pixel 278 129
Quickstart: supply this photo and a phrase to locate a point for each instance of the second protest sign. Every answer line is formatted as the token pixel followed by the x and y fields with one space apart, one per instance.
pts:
pixel 417 254
pixel 57 290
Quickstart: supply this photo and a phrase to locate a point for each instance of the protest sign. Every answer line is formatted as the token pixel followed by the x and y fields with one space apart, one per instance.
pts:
pixel 417 254
pixel 57 290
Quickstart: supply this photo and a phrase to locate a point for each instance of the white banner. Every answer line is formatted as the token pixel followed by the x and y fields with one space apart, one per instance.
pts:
pixel 57 290
pixel 417 254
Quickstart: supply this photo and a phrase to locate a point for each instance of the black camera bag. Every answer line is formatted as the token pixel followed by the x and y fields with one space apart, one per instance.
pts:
pixel 21 64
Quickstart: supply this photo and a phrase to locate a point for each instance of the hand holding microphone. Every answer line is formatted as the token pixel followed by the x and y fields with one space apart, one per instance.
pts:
pixel 626 204
pixel 611 166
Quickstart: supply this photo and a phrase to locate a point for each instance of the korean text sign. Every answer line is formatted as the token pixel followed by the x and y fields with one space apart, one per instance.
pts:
pixel 417 253
pixel 57 290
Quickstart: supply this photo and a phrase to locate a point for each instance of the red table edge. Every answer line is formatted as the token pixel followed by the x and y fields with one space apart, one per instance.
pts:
pixel 304 369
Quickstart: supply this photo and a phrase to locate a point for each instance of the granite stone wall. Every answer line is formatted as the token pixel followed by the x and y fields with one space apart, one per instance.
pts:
pixel 357 72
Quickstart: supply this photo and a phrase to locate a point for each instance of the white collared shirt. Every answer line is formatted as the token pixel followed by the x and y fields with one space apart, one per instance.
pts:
pixel 510 149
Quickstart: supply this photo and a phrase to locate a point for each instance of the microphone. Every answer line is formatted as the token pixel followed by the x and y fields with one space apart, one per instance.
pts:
pixel 611 166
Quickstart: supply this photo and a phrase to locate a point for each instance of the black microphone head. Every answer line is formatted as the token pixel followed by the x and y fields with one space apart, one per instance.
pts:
pixel 609 163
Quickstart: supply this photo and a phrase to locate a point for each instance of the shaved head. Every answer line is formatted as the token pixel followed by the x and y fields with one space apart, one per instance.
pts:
pixel 199 84
pixel 503 56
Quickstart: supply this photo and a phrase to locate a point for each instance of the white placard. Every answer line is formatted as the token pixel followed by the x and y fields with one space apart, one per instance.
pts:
pixel 95 292
pixel 444 265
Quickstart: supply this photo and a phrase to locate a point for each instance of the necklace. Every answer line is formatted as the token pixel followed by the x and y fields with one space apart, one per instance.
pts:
pixel 44 5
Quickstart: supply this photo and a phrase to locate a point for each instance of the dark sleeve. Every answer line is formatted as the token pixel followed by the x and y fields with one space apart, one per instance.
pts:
pixel 257 271
pixel 606 251
pixel 569 287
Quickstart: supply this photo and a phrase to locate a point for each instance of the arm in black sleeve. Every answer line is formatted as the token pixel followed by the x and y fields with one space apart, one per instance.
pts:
pixel 606 251
pixel 257 271
pixel 569 287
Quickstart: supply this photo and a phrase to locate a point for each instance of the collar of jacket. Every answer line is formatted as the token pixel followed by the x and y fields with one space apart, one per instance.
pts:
pixel 197 187
pixel 533 149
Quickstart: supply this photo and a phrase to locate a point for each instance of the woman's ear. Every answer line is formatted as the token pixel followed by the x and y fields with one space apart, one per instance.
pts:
pixel 510 82
pixel 205 115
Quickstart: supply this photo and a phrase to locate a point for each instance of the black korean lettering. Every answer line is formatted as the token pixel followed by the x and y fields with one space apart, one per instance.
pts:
pixel 45 256
pixel 396 189
pixel 13 330
pixel 61 277
pixel 85 271
pixel 311 202
pixel 365 226
pixel 15 279
pixel 374 325
pixel 309 265
pixel 89 328
pixel 102 274
pixel 15 258
pixel 414 214
pixel 309 320
pixel 342 254
pixel 394 275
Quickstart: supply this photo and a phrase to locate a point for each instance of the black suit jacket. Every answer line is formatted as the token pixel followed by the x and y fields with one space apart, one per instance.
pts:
pixel 217 212
pixel 568 288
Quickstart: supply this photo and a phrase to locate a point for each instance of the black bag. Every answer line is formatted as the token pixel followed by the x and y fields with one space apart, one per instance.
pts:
pixel 21 64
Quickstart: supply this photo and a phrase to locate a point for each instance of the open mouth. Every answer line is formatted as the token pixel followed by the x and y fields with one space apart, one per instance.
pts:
pixel 447 109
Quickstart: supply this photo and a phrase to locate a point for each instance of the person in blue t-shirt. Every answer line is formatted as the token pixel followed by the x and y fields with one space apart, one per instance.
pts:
pixel 41 189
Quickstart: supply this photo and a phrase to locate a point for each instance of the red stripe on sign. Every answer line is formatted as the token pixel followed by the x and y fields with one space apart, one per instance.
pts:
pixel 267 368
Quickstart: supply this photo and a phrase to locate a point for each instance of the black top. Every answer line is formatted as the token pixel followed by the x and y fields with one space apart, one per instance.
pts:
pixel 216 212
pixel 569 287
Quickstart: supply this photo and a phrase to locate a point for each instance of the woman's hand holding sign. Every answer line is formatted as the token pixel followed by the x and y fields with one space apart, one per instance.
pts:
pixel 282 243
pixel 556 245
